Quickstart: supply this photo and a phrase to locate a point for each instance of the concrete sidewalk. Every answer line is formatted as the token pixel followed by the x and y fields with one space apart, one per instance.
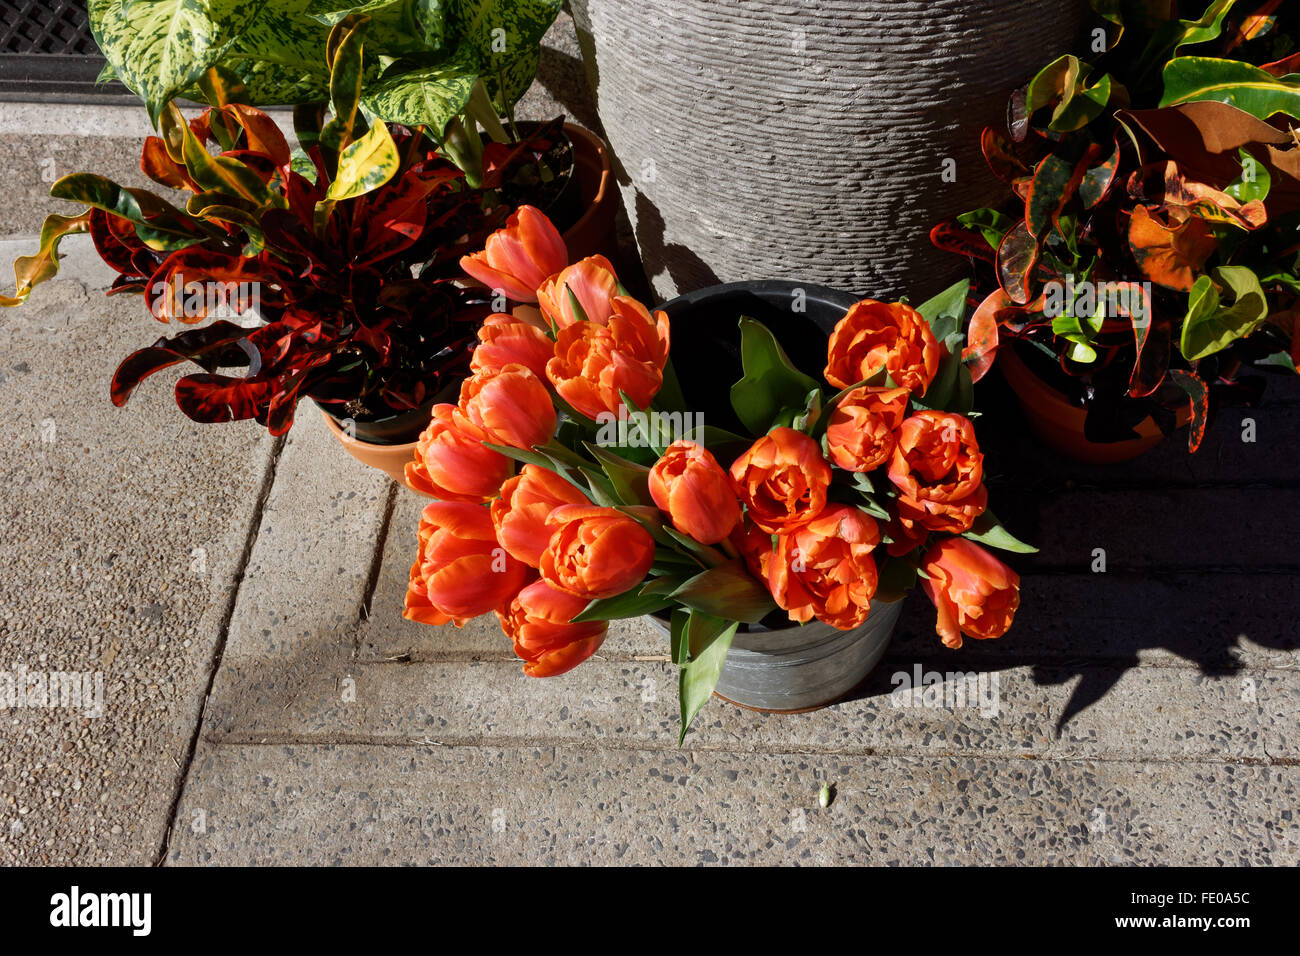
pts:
pixel 264 702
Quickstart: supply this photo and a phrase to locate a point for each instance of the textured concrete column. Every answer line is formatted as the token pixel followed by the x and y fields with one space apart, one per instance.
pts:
pixel 782 139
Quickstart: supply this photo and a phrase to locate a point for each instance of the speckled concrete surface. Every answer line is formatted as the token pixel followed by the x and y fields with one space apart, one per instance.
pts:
pixel 122 532
pixel 567 805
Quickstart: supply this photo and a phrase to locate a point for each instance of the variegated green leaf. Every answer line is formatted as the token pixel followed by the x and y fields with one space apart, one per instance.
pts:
pixel 504 35
pixel 30 271
pixel 344 48
pixel 423 95
pixel 159 48
pixel 397 27
pixel 280 55
pixel 153 217
pixel 1190 79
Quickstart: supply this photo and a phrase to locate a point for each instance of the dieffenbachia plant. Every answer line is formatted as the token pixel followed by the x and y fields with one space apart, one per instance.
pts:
pixel 1162 175
pixel 449 66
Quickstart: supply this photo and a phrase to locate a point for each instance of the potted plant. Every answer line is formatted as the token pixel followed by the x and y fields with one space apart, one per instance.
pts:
pixel 775 554
pixel 1144 266
pixel 333 275
pixel 339 282
pixel 453 70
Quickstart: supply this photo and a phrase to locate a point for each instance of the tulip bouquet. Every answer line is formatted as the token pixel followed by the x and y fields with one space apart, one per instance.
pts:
pixel 846 493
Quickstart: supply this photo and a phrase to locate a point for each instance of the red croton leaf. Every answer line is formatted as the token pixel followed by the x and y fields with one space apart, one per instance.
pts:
pixel 1098 180
pixel 261 134
pixel 118 245
pixel 1170 254
pixel 210 347
pixel 951 236
pixel 1152 337
pixel 158 165
pixel 982 336
pixel 1000 155
pixel 1163 185
pixel 394 220
pixel 191 279
pixel 1199 395
pixel 1016 262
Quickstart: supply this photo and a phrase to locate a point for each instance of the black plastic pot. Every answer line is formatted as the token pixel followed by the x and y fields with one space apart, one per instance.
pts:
pixel 706 335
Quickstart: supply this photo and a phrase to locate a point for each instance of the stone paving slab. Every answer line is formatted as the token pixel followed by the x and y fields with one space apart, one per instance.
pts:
pixel 1149 713
pixel 558 805
pixel 124 531
pixel 311 564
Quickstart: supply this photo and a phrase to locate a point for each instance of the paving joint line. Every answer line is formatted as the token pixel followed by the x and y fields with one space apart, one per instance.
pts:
pixel 376 566
pixel 223 634
pixel 588 746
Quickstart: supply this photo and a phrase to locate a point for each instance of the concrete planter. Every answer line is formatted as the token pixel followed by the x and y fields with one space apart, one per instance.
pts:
pixel 771 137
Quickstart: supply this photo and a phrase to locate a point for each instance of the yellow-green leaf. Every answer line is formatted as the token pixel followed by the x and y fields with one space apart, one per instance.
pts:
pixel 365 165
pixel 30 271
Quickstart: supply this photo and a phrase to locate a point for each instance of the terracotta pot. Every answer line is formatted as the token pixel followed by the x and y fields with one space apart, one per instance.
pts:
pixel 390 459
pixel 593 232
pixel 1059 423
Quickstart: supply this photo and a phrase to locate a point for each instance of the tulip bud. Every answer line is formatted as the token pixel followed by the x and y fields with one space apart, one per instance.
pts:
pixel 690 486
pixel 517 258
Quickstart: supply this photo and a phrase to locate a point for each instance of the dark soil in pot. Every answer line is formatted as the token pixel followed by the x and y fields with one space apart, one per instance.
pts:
pixel 558 196
pixel 706 336
pixel 394 428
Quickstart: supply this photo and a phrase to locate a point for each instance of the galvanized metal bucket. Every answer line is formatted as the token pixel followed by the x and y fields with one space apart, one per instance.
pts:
pixel 804 667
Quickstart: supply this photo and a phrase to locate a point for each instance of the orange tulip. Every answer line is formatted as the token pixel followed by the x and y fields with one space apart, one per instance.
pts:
pixel 526 501
pixel 755 546
pixel 538 623
pixel 461 571
pixel 593 283
pixel 518 258
pixel 595 552
pixel 593 363
pixel 825 568
pixel 875 335
pixel 939 472
pixel 860 435
pixel 974 593
pixel 511 407
pixel 451 462
pixel 782 479
pixel 506 340
pixel 690 486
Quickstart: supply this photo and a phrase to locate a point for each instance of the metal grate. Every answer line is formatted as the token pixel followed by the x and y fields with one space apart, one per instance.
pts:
pixel 43 27
pixel 47 52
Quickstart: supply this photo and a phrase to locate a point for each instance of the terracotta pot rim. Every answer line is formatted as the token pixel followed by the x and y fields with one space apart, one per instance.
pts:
pixel 584 140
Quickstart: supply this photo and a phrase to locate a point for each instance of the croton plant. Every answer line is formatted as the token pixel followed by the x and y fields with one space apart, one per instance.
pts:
pixel 449 66
pixel 848 488
pixel 353 256
pixel 1148 251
